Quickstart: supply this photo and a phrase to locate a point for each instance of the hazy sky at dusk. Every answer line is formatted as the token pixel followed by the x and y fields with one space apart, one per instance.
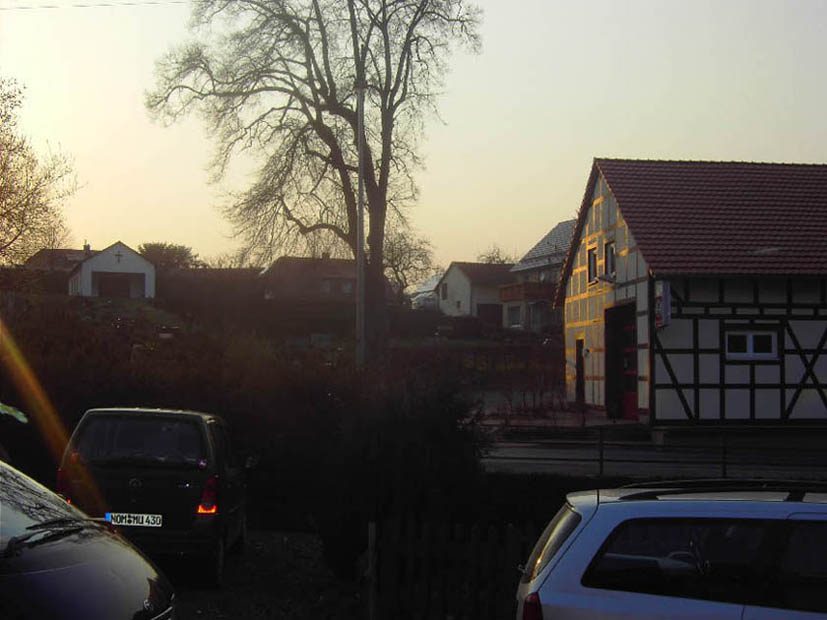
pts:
pixel 557 84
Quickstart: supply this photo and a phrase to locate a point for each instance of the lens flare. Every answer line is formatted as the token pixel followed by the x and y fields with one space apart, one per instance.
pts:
pixel 39 407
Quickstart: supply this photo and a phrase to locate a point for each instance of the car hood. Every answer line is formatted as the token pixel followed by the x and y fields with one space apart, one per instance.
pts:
pixel 93 573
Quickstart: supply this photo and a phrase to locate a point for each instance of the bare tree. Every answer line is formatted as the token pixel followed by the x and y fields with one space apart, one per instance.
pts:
pixel 496 255
pixel 276 78
pixel 408 259
pixel 31 188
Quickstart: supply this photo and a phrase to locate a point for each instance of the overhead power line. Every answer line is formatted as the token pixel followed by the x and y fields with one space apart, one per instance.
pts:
pixel 90 5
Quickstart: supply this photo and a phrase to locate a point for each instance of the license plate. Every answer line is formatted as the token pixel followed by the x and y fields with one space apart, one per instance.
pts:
pixel 135 520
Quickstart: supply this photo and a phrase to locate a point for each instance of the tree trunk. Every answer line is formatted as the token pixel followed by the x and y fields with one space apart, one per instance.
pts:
pixel 376 316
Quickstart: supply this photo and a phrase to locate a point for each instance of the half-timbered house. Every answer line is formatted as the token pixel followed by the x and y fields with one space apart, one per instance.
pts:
pixel 696 292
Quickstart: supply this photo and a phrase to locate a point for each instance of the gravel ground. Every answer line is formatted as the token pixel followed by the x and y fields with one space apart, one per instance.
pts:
pixel 281 575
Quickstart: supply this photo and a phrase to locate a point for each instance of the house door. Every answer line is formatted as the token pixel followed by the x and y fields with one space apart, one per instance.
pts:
pixel 580 379
pixel 621 362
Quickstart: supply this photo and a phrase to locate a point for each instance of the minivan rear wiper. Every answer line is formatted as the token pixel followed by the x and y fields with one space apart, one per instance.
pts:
pixel 53 529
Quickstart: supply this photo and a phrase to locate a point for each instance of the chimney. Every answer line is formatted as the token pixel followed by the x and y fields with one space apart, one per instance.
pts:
pixel 87 249
pixel 325 255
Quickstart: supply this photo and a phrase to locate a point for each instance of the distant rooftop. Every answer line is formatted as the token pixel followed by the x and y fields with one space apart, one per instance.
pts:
pixel 551 249
pixel 485 274
pixel 57 259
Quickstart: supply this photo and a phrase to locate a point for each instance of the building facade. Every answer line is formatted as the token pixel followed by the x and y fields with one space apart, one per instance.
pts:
pixel 696 292
pixel 473 289
pixel 529 302
pixel 116 271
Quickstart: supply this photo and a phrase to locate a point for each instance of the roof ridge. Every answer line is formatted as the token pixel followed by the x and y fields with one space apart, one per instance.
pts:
pixel 710 161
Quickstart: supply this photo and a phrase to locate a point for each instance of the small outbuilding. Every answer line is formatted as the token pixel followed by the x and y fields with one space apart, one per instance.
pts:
pixel 116 271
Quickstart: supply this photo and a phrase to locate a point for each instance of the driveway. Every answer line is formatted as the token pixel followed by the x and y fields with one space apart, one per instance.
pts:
pixel 282 575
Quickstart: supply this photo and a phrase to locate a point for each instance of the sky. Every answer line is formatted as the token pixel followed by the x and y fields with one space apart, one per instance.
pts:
pixel 557 83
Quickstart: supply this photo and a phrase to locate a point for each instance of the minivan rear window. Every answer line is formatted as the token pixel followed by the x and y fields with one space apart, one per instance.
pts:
pixel 549 543
pixel 155 440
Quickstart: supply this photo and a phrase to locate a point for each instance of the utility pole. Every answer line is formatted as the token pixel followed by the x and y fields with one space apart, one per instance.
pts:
pixel 361 87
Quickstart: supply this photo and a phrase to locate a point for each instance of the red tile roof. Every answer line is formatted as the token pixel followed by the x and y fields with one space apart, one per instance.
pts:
pixel 723 218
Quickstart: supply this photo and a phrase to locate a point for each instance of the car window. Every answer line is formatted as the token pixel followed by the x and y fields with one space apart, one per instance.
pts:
pixel 552 538
pixel 221 445
pixel 714 559
pixel 153 439
pixel 801 582
pixel 24 502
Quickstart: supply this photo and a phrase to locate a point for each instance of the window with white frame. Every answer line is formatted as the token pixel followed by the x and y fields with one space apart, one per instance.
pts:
pixel 609 265
pixel 592 258
pixel 751 344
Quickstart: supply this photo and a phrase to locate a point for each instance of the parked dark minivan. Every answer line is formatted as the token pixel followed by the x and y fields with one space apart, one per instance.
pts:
pixel 168 480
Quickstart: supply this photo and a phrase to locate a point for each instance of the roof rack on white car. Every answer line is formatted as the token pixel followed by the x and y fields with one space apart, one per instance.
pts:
pixel 654 489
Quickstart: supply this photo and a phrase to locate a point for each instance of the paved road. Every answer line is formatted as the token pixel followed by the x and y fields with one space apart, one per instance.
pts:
pixel 646 460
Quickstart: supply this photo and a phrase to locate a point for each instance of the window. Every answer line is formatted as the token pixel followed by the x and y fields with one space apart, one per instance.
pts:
pixel 549 543
pixel 712 559
pixel 592 258
pixel 459 305
pixel 609 266
pixel 514 316
pixel 802 573
pixel 444 290
pixel 157 440
pixel 347 286
pixel 751 345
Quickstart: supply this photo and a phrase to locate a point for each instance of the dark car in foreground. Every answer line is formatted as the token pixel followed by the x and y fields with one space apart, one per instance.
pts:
pixel 168 480
pixel 57 563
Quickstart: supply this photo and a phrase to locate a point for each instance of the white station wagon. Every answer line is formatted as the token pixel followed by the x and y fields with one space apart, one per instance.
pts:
pixel 699 549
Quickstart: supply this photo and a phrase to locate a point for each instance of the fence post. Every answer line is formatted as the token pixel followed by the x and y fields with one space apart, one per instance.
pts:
pixel 723 454
pixel 600 448
pixel 372 571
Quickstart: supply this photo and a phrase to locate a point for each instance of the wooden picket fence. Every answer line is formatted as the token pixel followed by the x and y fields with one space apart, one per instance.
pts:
pixel 429 570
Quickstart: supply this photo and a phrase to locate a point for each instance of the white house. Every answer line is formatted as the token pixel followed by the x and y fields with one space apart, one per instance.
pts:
pixel 472 289
pixel 117 271
pixel 425 296
pixel 696 292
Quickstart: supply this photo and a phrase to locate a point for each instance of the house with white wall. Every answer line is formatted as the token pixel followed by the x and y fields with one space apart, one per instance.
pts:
pixel 696 293
pixel 116 271
pixel 472 289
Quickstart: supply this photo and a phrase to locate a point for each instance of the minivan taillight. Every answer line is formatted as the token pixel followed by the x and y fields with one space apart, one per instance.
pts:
pixel 532 609
pixel 209 497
